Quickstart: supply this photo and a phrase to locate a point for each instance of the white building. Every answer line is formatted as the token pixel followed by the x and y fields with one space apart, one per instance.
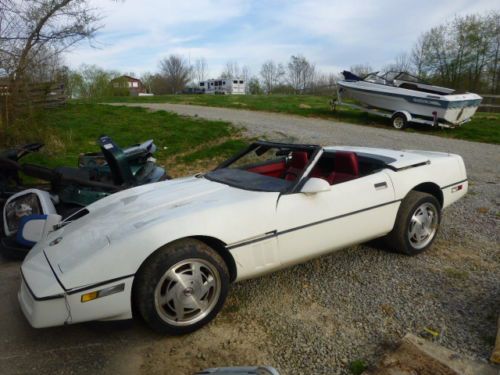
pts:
pixel 223 86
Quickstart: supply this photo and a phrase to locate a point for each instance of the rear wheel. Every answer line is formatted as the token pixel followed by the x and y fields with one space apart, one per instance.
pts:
pixel 417 223
pixel 181 287
pixel 399 121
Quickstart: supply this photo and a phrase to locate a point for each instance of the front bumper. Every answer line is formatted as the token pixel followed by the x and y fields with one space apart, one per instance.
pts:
pixel 43 312
pixel 67 308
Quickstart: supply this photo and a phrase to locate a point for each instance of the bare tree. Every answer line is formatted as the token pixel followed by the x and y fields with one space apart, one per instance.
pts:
pixel 245 73
pixel 462 53
pixel 176 72
pixel 403 63
pixel 271 74
pixel 29 27
pixel 301 73
pixel 361 69
pixel 200 69
pixel 147 80
pixel 324 83
pixel 231 70
pixel 494 59
pixel 32 32
pixel 418 56
pixel 91 82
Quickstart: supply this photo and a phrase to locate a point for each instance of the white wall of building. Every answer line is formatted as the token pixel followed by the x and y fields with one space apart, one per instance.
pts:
pixel 234 86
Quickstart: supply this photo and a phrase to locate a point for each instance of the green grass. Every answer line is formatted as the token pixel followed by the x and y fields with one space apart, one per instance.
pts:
pixel 357 367
pixel 74 129
pixel 457 274
pixel 484 127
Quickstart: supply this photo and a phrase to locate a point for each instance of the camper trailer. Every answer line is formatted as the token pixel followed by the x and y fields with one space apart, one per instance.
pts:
pixel 223 86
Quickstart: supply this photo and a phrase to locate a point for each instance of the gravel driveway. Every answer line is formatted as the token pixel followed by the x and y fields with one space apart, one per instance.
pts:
pixel 317 317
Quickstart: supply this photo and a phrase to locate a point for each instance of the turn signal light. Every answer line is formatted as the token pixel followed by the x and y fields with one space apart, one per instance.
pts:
pixel 457 188
pixel 89 296
pixel 102 293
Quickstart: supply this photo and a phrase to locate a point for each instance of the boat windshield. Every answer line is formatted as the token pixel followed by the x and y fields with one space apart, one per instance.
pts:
pixel 389 78
pixel 374 78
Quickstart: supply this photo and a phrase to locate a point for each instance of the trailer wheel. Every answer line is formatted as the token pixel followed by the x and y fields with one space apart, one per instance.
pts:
pixel 399 121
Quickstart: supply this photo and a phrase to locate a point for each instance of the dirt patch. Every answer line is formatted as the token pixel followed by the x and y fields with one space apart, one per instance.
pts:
pixel 220 344
pixel 418 356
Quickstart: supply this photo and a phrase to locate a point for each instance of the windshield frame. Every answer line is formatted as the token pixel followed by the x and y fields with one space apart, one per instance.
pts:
pixel 297 183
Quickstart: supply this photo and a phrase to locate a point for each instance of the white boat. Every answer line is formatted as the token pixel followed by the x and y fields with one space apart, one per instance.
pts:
pixel 405 98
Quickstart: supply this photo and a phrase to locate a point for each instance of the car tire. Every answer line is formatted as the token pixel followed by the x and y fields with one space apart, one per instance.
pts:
pixel 417 224
pixel 399 121
pixel 181 287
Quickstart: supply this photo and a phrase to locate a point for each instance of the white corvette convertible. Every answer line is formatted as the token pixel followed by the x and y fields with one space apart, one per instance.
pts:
pixel 168 251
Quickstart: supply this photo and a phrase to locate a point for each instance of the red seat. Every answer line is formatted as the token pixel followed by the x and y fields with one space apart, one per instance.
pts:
pixel 346 167
pixel 296 165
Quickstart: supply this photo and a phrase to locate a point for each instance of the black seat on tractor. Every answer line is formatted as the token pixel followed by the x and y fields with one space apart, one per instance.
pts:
pixel 117 161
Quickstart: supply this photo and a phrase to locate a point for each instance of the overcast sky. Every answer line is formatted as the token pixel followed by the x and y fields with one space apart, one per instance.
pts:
pixel 333 34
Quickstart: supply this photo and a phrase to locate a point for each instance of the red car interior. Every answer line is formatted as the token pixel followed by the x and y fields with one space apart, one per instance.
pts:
pixel 272 170
pixel 337 168
pixel 346 166
pixel 296 164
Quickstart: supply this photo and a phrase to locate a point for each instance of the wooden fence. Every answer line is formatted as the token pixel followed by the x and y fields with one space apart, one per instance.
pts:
pixel 490 103
pixel 30 96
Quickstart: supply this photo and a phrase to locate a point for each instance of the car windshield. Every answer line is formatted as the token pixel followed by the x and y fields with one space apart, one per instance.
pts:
pixel 265 167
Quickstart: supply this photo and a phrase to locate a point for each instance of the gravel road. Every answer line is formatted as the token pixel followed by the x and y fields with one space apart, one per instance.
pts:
pixel 482 159
pixel 314 318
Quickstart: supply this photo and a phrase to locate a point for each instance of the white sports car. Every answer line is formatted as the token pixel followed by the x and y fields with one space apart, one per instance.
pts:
pixel 168 251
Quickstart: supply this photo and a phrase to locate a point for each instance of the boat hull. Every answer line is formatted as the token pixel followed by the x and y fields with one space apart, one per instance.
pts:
pixel 450 109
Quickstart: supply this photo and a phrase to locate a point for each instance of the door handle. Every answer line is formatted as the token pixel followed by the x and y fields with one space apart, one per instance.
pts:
pixel 380 185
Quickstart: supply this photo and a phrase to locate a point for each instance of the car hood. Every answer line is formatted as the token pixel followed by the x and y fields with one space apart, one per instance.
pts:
pixel 113 217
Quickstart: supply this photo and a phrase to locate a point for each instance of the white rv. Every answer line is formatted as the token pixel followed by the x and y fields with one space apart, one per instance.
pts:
pixel 223 86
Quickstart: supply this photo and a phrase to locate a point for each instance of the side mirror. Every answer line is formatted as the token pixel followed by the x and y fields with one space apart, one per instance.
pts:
pixel 315 185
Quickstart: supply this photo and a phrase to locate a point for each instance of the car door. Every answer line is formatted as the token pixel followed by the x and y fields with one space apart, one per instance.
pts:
pixel 350 212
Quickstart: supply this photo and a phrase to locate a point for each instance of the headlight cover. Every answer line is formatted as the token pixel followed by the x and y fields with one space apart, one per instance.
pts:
pixel 25 205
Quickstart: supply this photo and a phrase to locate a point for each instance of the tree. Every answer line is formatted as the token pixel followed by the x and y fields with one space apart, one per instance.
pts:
pixel 300 73
pixel 147 79
pixel 159 85
pixel 200 69
pixel 361 70
pixel 403 63
pixel 253 86
pixel 176 72
pixel 272 74
pixel 32 32
pixel 91 82
pixel 231 70
pixel 462 53
pixel 494 57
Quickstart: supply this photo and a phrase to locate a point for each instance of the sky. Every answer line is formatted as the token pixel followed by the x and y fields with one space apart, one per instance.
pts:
pixel 333 34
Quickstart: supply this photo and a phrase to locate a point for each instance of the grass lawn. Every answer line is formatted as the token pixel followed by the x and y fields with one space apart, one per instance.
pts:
pixel 484 127
pixel 185 145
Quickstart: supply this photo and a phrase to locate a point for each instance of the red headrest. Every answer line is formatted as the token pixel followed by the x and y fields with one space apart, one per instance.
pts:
pixel 299 159
pixel 346 162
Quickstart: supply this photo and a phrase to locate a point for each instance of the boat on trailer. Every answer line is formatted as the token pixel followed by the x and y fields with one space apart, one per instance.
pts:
pixel 405 98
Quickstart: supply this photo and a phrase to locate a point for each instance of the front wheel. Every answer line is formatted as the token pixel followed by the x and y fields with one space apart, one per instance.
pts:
pixel 181 287
pixel 417 224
